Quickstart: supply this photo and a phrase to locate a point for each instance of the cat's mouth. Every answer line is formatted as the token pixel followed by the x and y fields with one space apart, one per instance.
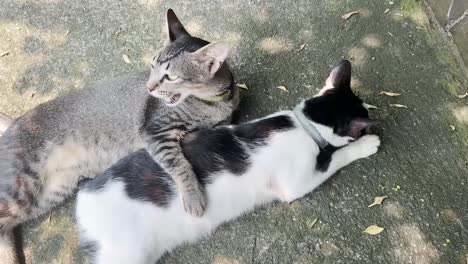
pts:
pixel 172 99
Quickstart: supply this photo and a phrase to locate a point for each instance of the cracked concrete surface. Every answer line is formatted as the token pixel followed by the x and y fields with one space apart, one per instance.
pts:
pixel 57 45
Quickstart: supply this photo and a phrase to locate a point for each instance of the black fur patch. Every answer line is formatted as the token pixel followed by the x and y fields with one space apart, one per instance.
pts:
pixel 324 157
pixel 97 183
pixel 144 179
pixel 213 150
pixel 255 133
pixel 90 249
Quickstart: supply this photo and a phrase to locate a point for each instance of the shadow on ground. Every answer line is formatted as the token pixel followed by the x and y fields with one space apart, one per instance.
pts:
pixel 55 46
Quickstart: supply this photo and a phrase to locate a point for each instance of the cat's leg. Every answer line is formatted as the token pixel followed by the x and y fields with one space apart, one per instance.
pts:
pixel 17 197
pixel 7 247
pixel 5 123
pixel 361 148
pixel 168 153
pixel 25 197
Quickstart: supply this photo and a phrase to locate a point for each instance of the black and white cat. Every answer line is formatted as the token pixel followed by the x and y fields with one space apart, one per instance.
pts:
pixel 133 212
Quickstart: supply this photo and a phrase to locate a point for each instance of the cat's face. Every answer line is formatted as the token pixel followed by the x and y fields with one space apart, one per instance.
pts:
pixel 338 108
pixel 188 66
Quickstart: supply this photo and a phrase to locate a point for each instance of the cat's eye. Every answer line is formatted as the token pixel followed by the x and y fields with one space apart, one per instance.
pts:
pixel 171 77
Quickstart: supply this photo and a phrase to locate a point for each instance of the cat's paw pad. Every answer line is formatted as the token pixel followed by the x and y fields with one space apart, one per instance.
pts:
pixel 367 145
pixel 195 202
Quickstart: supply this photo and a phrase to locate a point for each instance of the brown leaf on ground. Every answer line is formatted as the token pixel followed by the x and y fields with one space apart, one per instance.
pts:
pixel 126 58
pixel 399 105
pixel 311 225
pixel 390 93
pixel 350 14
pixel 378 200
pixel 243 86
pixel 282 87
pixel 374 230
pixel 369 106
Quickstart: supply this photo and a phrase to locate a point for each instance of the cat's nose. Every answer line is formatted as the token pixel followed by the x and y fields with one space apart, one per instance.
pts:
pixel 152 85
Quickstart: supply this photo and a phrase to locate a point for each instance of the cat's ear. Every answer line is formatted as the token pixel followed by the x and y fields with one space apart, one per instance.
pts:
pixel 359 124
pixel 340 76
pixel 175 28
pixel 212 56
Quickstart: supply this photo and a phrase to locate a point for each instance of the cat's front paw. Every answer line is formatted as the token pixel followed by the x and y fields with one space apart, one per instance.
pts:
pixel 195 202
pixel 366 146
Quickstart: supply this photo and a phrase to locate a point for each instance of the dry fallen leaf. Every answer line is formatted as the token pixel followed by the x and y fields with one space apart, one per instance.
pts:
pixel 350 14
pixel 302 47
pixel 463 95
pixel 378 200
pixel 242 86
pixel 126 59
pixel 313 223
pixel 452 128
pixel 399 105
pixel 386 11
pixel 4 54
pixel 390 93
pixel 374 230
pixel 369 106
pixel 282 87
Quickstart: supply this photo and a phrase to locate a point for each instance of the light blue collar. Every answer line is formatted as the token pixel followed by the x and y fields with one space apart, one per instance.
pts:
pixel 309 128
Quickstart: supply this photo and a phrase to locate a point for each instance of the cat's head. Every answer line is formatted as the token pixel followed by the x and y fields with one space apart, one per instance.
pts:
pixel 341 115
pixel 189 66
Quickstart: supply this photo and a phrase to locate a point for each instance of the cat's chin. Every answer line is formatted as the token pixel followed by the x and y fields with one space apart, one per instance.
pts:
pixel 172 100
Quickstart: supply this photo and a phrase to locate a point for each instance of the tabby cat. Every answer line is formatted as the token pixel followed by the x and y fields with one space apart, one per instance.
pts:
pixel 45 152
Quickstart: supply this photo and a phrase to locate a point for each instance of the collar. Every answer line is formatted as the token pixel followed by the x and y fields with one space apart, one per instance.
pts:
pixel 221 97
pixel 309 128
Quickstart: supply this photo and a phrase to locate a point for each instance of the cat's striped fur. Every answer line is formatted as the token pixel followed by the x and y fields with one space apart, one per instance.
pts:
pixel 45 152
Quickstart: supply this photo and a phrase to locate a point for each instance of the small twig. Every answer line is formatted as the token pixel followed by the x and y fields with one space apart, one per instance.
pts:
pixel 454 22
pixel 254 249
pixel 449 11
pixel 393 120
pixel 49 218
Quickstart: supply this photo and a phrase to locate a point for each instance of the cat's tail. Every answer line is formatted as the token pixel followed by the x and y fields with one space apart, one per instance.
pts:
pixel 5 123
pixel 7 248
